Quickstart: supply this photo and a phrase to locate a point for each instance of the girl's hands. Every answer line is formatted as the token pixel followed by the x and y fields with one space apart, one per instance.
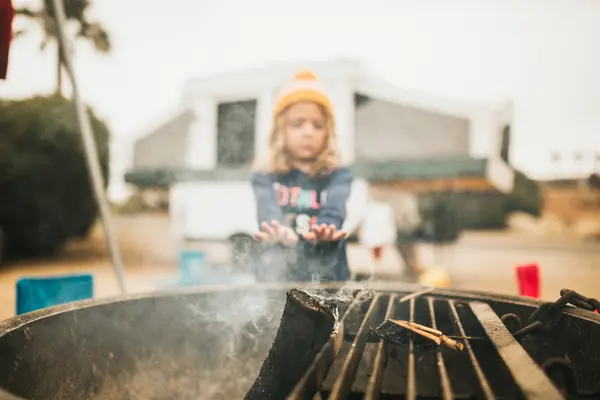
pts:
pixel 324 233
pixel 277 233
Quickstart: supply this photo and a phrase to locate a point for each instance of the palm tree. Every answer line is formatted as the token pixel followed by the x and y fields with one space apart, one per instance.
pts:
pixel 75 11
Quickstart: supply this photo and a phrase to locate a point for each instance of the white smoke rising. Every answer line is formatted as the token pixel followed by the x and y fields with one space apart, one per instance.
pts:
pixel 224 340
pixel 236 329
pixel 245 328
pixel 344 295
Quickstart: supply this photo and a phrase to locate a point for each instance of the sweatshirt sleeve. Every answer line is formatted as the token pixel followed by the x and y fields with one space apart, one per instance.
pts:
pixel 338 193
pixel 267 206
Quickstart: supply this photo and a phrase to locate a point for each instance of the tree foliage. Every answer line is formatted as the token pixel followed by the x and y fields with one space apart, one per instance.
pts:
pixel 45 190
pixel 76 11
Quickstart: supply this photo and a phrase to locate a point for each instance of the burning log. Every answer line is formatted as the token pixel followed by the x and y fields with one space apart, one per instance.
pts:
pixel 305 327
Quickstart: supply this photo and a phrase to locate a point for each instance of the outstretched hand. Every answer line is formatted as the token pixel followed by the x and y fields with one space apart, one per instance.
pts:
pixel 324 233
pixel 276 233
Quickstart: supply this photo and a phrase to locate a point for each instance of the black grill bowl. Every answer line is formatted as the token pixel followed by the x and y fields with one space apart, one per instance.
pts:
pixel 210 343
pixel 178 345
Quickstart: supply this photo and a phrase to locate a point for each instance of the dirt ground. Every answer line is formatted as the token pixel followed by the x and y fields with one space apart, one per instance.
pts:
pixel 481 261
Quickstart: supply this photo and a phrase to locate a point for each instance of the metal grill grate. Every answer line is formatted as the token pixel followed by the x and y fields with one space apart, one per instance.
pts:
pixel 357 364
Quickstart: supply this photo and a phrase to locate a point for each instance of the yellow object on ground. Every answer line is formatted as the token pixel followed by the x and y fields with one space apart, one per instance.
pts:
pixel 436 277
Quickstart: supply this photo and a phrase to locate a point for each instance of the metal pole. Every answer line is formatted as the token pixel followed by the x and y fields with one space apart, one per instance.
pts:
pixel 91 154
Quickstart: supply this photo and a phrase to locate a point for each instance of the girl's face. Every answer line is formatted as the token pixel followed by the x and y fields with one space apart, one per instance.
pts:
pixel 305 130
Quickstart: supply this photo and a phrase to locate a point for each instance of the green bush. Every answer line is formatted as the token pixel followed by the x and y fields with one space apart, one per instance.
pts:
pixel 45 192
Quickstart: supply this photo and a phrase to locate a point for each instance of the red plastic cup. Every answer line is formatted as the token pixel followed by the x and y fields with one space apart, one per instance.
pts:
pixel 528 279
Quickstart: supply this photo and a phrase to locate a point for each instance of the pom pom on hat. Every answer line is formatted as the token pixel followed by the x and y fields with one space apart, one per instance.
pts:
pixel 304 86
pixel 305 75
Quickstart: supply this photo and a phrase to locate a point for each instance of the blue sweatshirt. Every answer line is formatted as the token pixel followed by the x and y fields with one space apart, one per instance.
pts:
pixel 299 201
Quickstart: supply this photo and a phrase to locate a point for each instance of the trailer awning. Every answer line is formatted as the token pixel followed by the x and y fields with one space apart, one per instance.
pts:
pixel 449 168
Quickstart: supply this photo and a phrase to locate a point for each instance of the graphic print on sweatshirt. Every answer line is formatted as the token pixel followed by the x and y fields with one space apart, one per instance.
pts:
pixel 300 205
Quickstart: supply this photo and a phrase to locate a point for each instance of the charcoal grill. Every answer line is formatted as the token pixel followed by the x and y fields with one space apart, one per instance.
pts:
pixel 169 345
pixel 504 356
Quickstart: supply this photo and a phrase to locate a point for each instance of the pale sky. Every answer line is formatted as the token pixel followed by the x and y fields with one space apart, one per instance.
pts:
pixel 543 54
pixel 158 45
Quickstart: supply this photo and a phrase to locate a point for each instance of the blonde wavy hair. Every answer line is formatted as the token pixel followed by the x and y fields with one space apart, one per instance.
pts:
pixel 278 160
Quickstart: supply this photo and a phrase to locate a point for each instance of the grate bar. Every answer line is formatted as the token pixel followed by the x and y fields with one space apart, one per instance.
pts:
pixel 344 381
pixel 310 383
pixel 444 379
pixel 411 385
pixel 374 386
pixel 532 380
pixel 485 386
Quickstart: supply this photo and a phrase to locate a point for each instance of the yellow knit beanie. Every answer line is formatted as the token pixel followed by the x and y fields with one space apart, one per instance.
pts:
pixel 303 87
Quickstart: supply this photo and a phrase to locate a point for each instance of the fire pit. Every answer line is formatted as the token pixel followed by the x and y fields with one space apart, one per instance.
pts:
pixel 213 344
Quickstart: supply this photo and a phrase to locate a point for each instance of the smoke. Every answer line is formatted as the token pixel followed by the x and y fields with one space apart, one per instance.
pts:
pixel 213 349
pixel 225 336
pixel 243 327
pixel 339 300
pixel 344 295
pixel 277 264
pixel 216 345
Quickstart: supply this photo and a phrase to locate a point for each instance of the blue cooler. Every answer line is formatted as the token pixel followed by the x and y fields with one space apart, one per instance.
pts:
pixel 34 293
pixel 192 267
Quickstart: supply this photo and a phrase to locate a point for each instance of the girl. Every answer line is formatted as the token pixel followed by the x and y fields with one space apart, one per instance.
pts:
pixel 301 191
